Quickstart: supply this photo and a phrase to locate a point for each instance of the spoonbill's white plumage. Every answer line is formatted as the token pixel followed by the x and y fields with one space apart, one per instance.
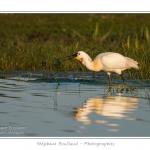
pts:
pixel 108 62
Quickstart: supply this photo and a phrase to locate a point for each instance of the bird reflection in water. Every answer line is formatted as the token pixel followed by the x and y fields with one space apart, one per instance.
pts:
pixel 108 106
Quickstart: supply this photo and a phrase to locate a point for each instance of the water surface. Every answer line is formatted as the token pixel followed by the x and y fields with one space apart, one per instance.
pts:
pixel 33 104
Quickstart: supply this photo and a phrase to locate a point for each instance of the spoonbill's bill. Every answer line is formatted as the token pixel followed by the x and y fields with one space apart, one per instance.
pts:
pixel 108 62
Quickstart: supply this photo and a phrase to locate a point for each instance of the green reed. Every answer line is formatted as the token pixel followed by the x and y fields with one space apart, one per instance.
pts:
pixel 32 41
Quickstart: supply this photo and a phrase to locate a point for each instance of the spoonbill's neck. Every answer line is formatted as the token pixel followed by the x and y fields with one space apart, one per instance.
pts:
pixel 94 65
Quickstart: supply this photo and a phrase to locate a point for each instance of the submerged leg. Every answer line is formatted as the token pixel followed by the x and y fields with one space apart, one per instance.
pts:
pixel 109 79
pixel 109 91
pixel 122 78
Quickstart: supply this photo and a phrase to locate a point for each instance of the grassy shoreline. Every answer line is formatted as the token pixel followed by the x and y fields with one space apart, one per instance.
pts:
pixel 32 41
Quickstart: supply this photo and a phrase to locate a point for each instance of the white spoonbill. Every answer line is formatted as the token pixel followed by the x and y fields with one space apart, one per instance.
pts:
pixel 108 62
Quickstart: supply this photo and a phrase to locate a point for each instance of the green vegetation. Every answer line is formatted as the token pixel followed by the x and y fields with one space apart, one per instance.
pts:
pixel 32 41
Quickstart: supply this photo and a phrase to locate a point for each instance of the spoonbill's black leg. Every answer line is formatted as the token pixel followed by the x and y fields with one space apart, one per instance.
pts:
pixel 109 79
pixel 122 78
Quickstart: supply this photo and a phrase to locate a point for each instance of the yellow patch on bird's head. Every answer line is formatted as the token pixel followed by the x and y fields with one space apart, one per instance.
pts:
pixel 78 58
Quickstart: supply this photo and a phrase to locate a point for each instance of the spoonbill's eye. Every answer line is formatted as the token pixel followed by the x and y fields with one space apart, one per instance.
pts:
pixel 78 53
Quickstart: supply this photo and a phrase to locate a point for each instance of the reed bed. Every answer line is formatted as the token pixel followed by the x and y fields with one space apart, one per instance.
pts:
pixel 33 41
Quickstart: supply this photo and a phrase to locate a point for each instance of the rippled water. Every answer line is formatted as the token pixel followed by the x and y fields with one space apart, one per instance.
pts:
pixel 33 104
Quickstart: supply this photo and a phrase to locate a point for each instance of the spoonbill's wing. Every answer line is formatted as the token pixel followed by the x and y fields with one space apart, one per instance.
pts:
pixel 113 61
